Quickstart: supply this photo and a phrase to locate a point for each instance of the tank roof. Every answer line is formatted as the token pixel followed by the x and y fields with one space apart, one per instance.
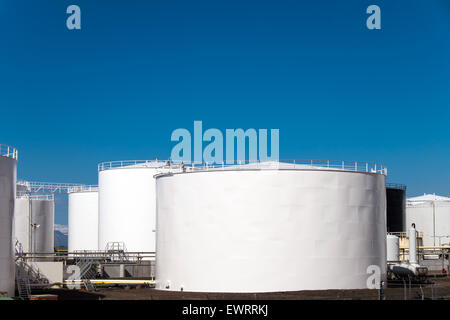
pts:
pixel 427 198
pixel 326 165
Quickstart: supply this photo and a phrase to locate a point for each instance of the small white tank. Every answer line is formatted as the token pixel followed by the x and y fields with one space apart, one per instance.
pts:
pixel 393 248
pixel 83 219
pixel 8 176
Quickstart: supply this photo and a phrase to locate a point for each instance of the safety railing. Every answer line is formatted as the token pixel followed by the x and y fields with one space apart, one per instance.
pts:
pixel 22 195
pixel 403 234
pixel 100 255
pixel 427 204
pixel 396 186
pixel 52 187
pixel 42 197
pixel 134 163
pixel 25 195
pixel 8 151
pixel 342 165
pixel 82 188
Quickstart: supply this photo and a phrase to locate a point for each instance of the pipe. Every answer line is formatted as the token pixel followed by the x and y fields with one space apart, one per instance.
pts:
pixel 121 271
pixel 434 224
pixel 412 245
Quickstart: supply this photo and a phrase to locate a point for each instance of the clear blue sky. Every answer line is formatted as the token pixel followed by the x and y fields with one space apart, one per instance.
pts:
pixel 140 69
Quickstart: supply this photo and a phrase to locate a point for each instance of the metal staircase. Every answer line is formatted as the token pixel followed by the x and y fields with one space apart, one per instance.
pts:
pixel 117 251
pixel 87 267
pixel 23 281
pixel 26 274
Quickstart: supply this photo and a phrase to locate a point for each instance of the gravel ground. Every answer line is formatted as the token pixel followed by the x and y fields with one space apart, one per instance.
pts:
pixel 437 288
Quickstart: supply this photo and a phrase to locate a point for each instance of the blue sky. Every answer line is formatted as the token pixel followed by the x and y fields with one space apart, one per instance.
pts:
pixel 137 70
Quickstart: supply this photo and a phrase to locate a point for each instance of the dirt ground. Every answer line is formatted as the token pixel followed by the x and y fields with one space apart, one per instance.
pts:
pixel 432 288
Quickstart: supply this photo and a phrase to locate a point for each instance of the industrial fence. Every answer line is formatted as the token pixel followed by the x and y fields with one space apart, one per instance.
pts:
pixel 408 289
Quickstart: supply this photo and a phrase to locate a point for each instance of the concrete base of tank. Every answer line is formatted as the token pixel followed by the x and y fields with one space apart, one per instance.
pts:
pixel 50 270
pixel 142 270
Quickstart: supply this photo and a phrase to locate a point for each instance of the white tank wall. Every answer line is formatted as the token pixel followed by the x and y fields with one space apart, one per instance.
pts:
pixel 43 214
pixel 265 231
pixel 127 208
pixel 422 216
pixel 442 215
pixel 8 175
pixel 83 221
pixel 22 223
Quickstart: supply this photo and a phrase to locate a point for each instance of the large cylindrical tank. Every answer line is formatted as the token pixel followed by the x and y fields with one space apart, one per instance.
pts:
pixel 83 219
pixel 286 229
pixel 8 176
pixel 127 204
pixel 396 207
pixel 42 223
pixel 431 216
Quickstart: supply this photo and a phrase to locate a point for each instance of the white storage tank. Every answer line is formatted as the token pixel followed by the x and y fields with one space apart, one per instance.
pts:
pixel 83 219
pixel 431 215
pixel 22 221
pixel 271 227
pixel 34 223
pixel 392 248
pixel 127 203
pixel 42 223
pixel 8 176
